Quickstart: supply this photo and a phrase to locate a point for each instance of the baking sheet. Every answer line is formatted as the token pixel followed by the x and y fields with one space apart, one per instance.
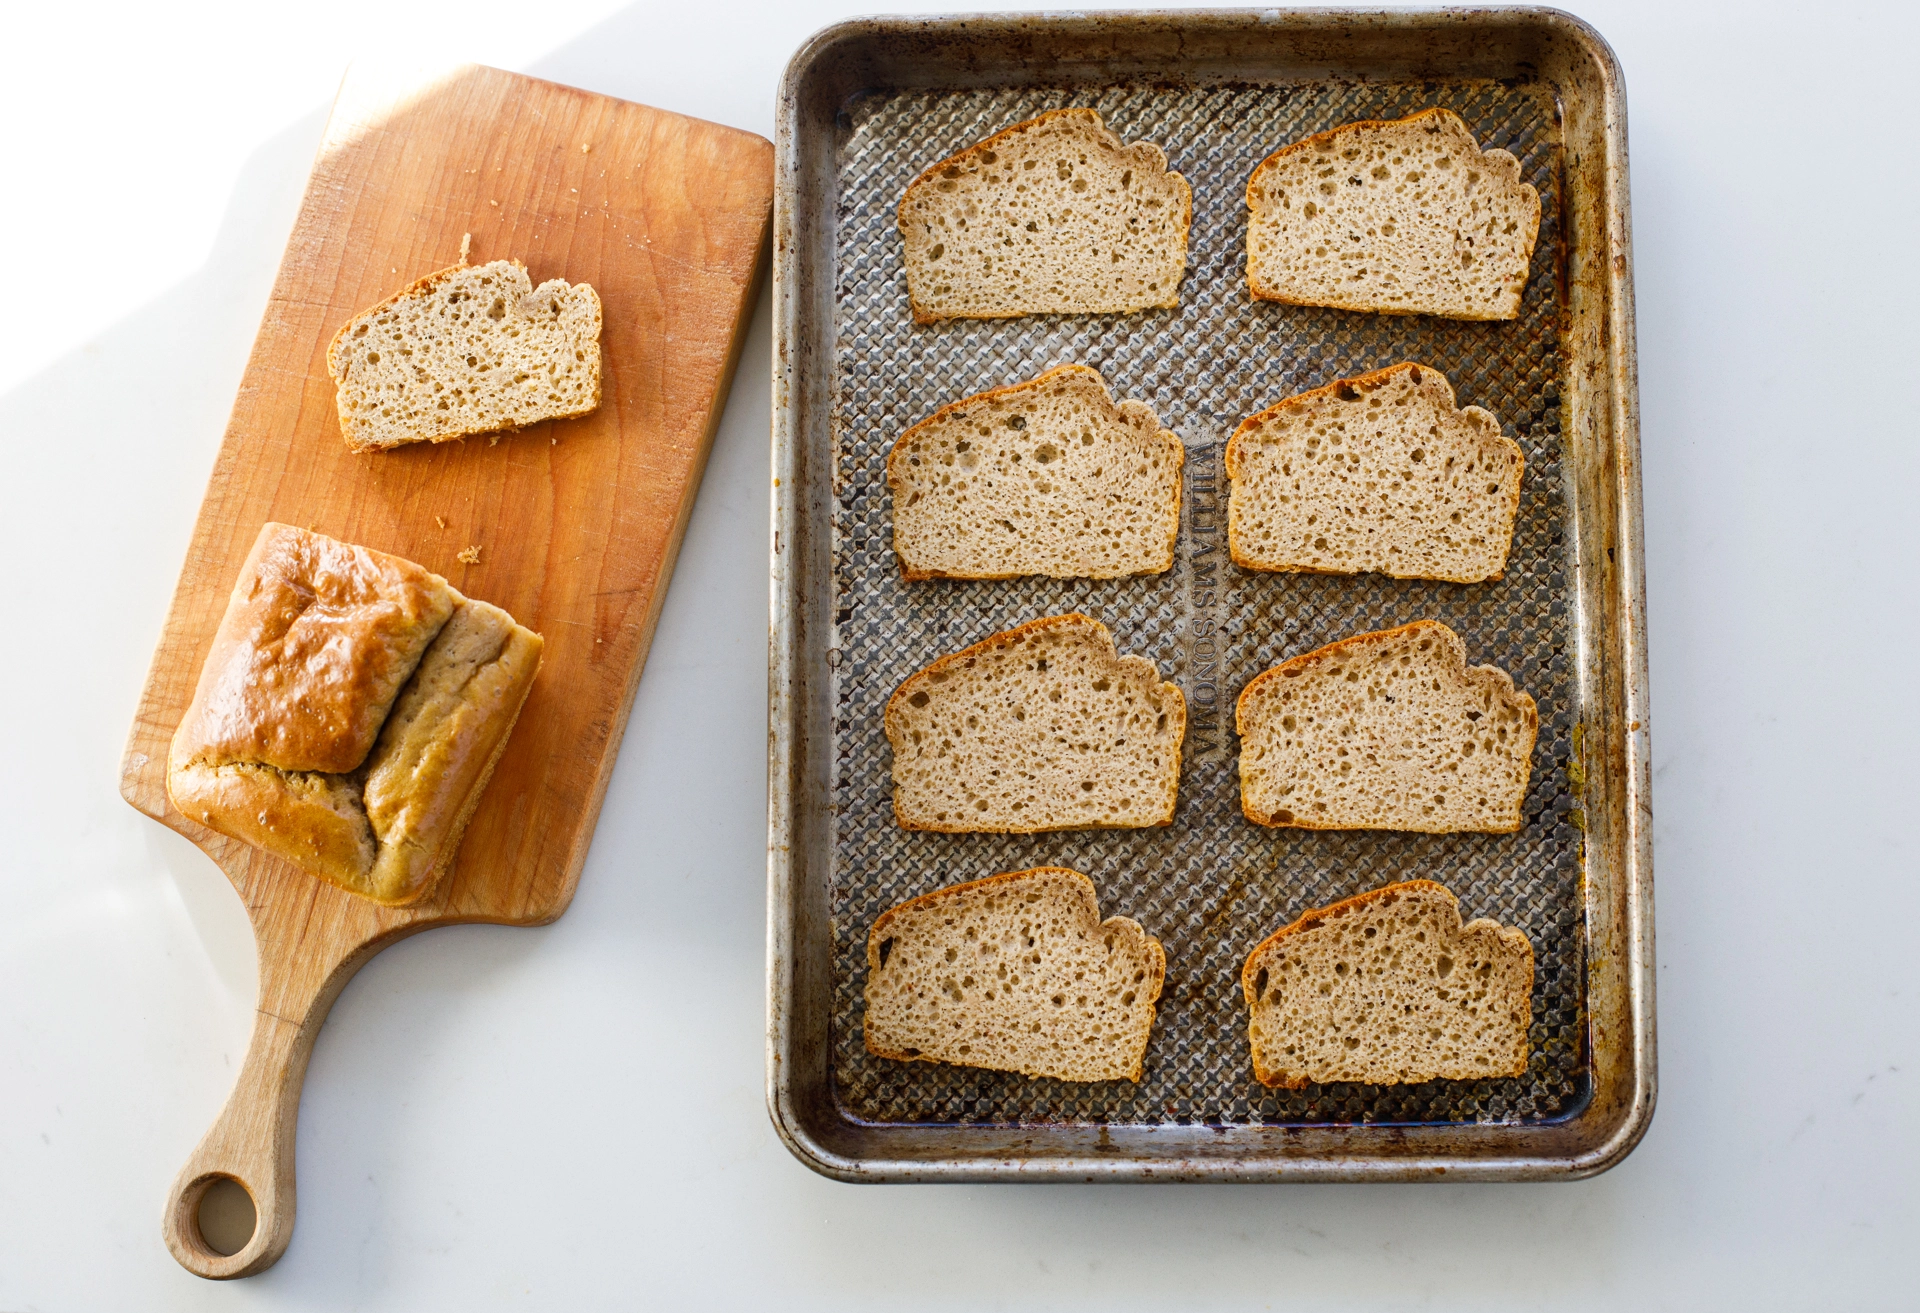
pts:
pixel 1212 885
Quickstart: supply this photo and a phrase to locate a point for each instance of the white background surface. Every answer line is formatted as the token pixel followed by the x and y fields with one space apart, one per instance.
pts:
pixel 572 1117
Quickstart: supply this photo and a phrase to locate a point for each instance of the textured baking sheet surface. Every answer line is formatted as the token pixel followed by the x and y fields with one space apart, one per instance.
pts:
pixel 1211 885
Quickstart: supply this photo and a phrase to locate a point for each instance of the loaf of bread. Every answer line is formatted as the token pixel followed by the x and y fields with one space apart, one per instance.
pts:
pixel 1052 216
pixel 471 349
pixel 1044 477
pixel 1016 972
pixel 349 713
pixel 1044 727
pixel 1386 731
pixel 1402 217
pixel 1388 988
pixel 1375 473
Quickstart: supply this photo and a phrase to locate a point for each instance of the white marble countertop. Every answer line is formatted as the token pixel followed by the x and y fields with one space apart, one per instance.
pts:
pixel 572 1117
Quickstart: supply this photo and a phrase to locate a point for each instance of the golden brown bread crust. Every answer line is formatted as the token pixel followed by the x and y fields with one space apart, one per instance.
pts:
pixel 1313 920
pixel 313 820
pixel 1296 666
pixel 315 635
pixel 1034 384
pixel 1091 898
pixel 927 175
pixel 1176 709
pixel 1373 378
pixel 316 641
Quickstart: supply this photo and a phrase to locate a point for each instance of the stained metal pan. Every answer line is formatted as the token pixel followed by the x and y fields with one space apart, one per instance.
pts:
pixel 867 104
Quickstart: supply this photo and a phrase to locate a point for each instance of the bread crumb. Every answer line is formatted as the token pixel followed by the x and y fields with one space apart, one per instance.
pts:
pixel 466 245
pixel 585 147
pixel 471 556
pixel 494 204
pixel 439 521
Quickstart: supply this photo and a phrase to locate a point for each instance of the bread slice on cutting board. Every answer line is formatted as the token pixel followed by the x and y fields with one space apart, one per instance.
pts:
pixel 1016 972
pixel 1046 477
pixel 1386 731
pixel 1407 216
pixel 1052 216
pixel 470 349
pixel 1376 473
pixel 1044 727
pixel 1389 988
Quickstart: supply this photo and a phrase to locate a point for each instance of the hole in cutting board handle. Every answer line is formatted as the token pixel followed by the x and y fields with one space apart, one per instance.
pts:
pixel 225 1217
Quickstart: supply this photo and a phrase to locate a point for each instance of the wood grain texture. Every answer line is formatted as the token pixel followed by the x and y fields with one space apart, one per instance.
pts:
pixel 578 521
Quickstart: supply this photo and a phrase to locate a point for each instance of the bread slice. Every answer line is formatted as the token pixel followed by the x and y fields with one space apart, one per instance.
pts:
pixel 1402 217
pixel 1052 216
pixel 1388 988
pixel 1377 473
pixel 1386 731
pixel 1016 972
pixel 1043 477
pixel 1044 727
pixel 471 349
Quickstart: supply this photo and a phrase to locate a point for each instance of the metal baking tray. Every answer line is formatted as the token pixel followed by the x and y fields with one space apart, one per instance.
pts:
pixel 867 104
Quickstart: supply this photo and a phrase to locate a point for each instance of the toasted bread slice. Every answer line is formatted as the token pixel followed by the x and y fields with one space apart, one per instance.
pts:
pixel 471 349
pixel 1375 473
pixel 1052 216
pixel 1045 477
pixel 1016 972
pixel 1389 988
pixel 1407 216
pixel 1044 727
pixel 1386 731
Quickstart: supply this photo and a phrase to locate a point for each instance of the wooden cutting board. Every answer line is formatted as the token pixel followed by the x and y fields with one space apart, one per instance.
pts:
pixel 576 522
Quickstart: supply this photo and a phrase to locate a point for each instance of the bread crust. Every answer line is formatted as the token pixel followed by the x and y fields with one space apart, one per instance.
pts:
pixel 922 316
pixel 317 816
pixel 1170 443
pixel 1373 378
pixel 310 819
pixel 1262 292
pixel 317 639
pixel 1294 667
pixel 1173 700
pixel 1090 901
pixel 1319 916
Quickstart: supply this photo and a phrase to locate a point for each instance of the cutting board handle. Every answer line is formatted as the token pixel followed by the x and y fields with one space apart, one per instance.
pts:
pixel 252 1141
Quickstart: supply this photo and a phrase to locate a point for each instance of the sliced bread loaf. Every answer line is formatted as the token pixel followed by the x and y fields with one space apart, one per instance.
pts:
pixel 1044 727
pixel 1052 216
pixel 1389 988
pixel 1402 217
pixel 1378 473
pixel 1016 972
pixel 471 349
pixel 1386 731
pixel 1043 477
